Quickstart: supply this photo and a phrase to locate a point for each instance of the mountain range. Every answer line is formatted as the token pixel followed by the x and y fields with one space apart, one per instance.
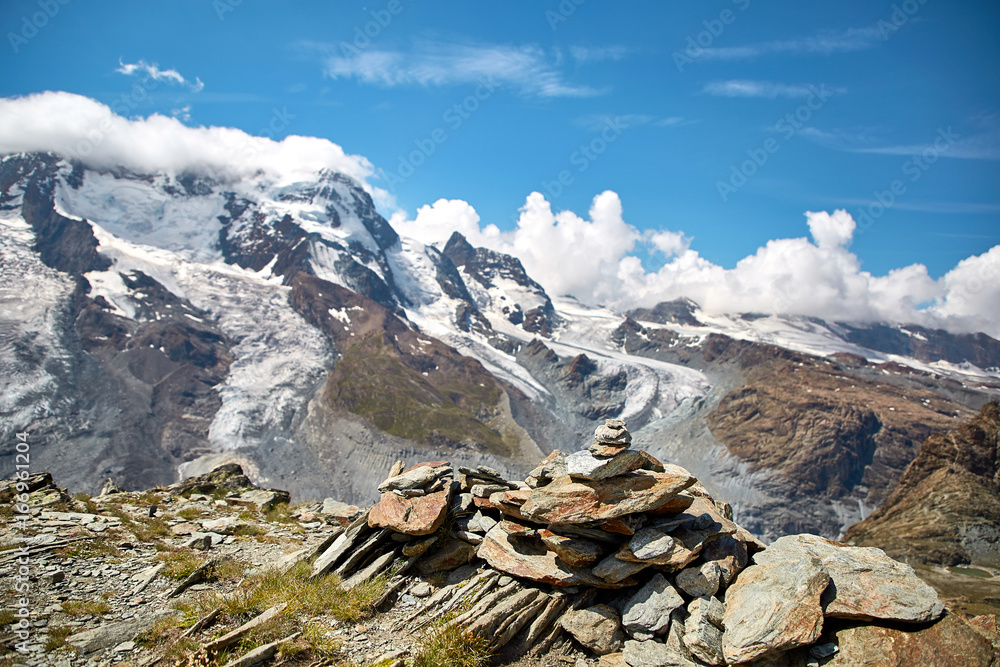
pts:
pixel 157 325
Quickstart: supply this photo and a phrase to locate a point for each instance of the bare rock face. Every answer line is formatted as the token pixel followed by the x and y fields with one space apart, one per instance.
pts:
pixel 866 584
pixel 568 501
pixel 946 507
pixel 773 608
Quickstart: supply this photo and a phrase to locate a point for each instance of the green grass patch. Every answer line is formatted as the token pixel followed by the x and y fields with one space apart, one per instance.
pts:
pixel 449 646
pixel 57 637
pixel 189 513
pixel 372 380
pixel 179 564
pixel 85 607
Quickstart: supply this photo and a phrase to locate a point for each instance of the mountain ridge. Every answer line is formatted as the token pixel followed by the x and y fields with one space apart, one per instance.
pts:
pixel 243 262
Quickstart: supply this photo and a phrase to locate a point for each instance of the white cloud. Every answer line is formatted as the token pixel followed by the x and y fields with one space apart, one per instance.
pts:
pixel 154 72
pixel 597 260
pixel 768 89
pixel 588 54
pixel 823 43
pixel 524 68
pixel 78 127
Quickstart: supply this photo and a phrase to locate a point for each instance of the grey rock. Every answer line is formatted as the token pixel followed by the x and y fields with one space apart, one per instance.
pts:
pixel 598 628
pixel 653 654
pixel 584 465
pixel 481 523
pixel 650 543
pixel 647 613
pixel 612 432
pixel 113 634
pixel 867 584
pixel 699 581
pixel 486 490
pixel 419 477
pixel 773 607
pixel 613 570
pixel 224 524
pixel 703 630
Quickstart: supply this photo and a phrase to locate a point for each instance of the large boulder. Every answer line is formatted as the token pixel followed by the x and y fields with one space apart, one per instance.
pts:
pixel 866 583
pixel 773 607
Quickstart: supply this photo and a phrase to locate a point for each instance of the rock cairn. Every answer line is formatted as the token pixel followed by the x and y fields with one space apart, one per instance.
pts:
pixel 631 558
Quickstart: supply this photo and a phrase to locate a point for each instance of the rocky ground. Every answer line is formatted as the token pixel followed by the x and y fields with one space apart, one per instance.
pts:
pixel 603 557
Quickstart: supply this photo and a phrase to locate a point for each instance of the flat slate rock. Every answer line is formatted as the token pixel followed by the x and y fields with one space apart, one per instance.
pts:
pixel 568 501
pixel 530 559
pixel 584 465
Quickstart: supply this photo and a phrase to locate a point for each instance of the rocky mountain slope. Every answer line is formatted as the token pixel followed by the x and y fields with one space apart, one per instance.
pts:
pixel 945 509
pixel 157 325
pixel 603 557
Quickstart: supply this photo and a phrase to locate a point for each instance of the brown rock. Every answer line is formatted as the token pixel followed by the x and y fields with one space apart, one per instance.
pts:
pixel 947 643
pixel 730 553
pixel 675 505
pixel 773 608
pixel 575 551
pixel 453 553
pixel 649 462
pixel 510 502
pixel 568 501
pixel 530 559
pixel 606 450
pixel 626 525
pixel 421 515
pixel 614 570
pixel 517 529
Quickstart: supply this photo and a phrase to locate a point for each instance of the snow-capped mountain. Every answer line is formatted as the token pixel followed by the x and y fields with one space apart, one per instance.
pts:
pixel 158 324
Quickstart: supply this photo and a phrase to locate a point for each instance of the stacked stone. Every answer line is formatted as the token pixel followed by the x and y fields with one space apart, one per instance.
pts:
pixel 630 557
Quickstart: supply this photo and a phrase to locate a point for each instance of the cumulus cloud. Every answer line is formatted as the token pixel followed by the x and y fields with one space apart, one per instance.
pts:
pixel 78 127
pixel 597 259
pixel 154 72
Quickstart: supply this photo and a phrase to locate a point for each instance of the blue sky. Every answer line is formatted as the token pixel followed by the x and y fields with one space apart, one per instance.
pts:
pixel 723 120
